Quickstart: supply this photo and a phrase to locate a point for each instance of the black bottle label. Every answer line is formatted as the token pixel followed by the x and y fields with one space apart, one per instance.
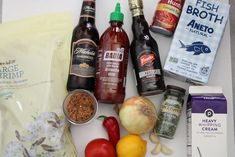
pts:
pixel 88 9
pixel 83 58
pixel 149 66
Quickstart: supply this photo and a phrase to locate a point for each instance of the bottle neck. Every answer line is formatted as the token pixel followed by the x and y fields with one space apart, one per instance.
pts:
pixel 140 25
pixel 115 23
pixel 137 12
pixel 87 12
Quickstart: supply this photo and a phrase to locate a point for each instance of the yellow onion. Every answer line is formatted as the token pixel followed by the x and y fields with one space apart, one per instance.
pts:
pixel 138 115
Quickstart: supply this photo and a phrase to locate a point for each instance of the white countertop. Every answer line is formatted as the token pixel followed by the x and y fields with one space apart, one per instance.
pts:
pixel 220 76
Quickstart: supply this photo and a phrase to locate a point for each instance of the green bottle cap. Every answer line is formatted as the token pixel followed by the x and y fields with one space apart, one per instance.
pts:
pixel 117 15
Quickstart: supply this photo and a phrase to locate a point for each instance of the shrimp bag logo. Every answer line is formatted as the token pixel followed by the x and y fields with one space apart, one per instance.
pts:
pixel 196 48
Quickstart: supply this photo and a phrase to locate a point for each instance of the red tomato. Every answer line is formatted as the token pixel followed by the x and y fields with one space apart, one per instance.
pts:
pixel 100 148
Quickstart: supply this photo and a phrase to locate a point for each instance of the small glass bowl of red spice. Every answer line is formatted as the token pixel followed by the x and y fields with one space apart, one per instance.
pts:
pixel 80 107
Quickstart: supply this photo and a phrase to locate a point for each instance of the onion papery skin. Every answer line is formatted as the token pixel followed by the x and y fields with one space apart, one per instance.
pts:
pixel 138 115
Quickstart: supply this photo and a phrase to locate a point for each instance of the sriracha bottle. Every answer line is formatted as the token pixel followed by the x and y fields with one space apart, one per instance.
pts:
pixel 112 61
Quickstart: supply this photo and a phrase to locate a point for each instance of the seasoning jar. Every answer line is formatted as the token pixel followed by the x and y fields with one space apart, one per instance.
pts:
pixel 170 111
pixel 80 107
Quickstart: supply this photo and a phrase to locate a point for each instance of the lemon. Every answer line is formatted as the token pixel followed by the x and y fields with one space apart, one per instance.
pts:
pixel 131 146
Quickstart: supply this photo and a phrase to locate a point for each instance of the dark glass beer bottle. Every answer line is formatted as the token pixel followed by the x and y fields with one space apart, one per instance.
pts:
pixel 84 49
pixel 144 54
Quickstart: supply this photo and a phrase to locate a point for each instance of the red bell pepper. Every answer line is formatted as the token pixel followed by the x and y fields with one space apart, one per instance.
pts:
pixel 112 127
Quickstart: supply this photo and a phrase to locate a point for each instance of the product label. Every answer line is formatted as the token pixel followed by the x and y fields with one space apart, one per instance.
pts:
pixel 149 73
pixel 83 58
pixel 172 6
pixel 146 59
pixel 168 118
pixel 137 12
pixel 88 9
pixel 136 7
pixel 11 74
pixel 112 69
pixel 192 53
pixel 167 14
pixel 208 131
pixel 149 67
pixel 10 70
pixel 207 126
pixel 116 56
pixel 174 111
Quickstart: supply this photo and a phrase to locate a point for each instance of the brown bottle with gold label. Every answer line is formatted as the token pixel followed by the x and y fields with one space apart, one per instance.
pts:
pixel 84 49
pixel 144 54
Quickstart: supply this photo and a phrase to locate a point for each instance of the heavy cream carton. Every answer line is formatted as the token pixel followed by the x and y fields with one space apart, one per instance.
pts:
pixel 206 122
pixel 196 40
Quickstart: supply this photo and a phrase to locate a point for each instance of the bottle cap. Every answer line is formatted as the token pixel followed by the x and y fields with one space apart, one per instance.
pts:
pixel 117 15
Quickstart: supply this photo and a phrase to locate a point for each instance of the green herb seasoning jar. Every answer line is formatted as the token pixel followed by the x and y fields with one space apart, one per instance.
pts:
pixel 170 112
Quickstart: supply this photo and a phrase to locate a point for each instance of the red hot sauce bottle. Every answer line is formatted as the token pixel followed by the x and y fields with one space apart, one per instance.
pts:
pixel 112 61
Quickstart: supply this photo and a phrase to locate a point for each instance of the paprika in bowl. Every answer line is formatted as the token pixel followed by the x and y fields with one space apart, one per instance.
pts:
pixel 80 107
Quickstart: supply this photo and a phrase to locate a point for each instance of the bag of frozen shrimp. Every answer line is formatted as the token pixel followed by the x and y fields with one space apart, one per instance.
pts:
pixel 34 65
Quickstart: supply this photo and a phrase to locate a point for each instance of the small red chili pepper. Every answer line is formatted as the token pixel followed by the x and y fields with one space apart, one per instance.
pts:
pixel 112 128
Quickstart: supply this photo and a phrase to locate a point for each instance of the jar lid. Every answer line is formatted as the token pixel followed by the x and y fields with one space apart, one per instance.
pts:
pixel 176 88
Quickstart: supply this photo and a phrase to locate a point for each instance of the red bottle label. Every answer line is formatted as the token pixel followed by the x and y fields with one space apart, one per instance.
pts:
pixel 148 66
pixel 111 74
pixel 111 67
pixel 145 59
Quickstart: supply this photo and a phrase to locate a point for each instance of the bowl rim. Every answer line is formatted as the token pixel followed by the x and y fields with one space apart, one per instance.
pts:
pixel 95 106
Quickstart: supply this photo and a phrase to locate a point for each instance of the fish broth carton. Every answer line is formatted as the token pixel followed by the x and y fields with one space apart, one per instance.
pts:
pixel 196 40
pixel 206 122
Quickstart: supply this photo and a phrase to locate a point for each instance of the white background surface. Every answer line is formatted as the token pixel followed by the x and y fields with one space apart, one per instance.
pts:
pixel 221 73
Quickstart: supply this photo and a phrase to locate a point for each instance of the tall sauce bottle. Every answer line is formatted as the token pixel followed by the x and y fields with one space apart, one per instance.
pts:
pixel 145 54
pixel 112 61
pixel 84 49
